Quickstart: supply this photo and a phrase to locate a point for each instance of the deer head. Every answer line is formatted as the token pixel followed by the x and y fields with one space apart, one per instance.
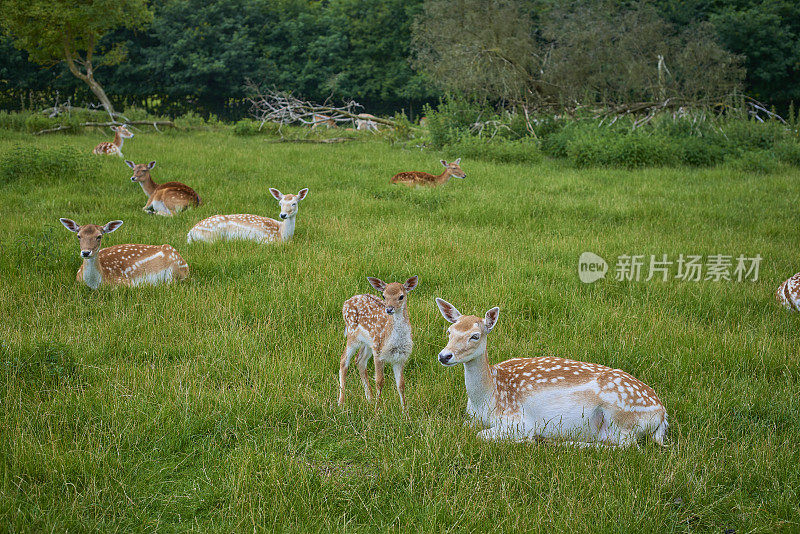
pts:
pixel 467 335
pixel 288 202
pixel 141 172
pixel 90 235
pixel 122 131
pixel 394 294
pixel 454 169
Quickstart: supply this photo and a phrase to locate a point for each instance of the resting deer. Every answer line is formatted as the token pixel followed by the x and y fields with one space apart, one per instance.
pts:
pixel 424 178
pixel 114 148
pixel 128 265
pixel 164 199
pixel 549 398
pixel 381 329
pixel 322 120
pixel 788 293
pixel 251 227
pixel 366 122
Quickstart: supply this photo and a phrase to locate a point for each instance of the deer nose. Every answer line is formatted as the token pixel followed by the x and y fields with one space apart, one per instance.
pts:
pixel 86 253
pixel 445 357
pixel 390 310
pixel 284 215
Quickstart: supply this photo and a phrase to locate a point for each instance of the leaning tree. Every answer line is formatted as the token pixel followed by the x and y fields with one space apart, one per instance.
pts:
pixel 52 31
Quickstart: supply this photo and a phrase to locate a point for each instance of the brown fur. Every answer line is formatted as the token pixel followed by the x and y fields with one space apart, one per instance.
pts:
pixel 175 196
pixel 428 179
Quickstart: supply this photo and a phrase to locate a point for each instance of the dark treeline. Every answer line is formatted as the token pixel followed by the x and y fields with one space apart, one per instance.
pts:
pixel 198 55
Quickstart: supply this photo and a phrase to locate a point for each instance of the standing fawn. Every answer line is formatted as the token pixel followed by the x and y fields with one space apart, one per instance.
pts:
pixel 115 148
pixel 549 398
pixel 251 227
pixel 381 329
pixel 164 199
pixel 128 265
pixel 424 178
pixel 788 293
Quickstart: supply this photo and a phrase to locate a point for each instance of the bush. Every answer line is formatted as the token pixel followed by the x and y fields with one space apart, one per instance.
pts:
pixel 496 151
pixel 253 127
pixel 755 162
pixel 699 152
pixel 742 135
pixel 788 152
pixel 45 164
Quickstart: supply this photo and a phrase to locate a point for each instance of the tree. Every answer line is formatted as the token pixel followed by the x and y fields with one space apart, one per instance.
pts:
pixel 52 31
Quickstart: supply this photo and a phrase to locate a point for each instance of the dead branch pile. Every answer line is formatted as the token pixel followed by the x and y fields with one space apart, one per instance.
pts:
pixel 283 108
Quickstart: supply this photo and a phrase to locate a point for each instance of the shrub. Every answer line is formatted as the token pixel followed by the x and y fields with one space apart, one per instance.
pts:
pixel 788 152
pixel 252 127
pixel 699 152
pixel 744 135
pixel 496 151
pixel 44 164
pixel 755 162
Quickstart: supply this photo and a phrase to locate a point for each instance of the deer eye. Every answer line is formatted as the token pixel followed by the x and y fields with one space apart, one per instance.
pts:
pixel 401 297
pixel 475 337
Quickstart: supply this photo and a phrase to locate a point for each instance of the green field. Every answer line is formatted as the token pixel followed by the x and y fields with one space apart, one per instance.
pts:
pixel 210 405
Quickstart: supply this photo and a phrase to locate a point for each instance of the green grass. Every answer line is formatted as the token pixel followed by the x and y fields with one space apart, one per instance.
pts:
pixel 210 405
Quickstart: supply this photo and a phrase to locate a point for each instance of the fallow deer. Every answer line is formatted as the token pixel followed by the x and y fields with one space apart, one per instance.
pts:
pixel 788 293
pixel 251 227
pixel 128 265
pixel 165 199
pixel 322 120
pixel 424 178
pixel 381 329
pixel 575 402
pixel 114 148
pixel 366 122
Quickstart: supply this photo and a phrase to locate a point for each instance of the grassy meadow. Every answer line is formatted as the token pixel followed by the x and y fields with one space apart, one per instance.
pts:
pixel 210 405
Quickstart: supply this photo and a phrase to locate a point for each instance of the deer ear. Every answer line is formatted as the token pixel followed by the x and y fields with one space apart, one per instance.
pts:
pixel 111 226
pixel 491 318
pixel 377 283
pixel 130 164
pixel 448 311
pixel 71 225
pixel 443 162
pixel 277 194
pixel 458 161
pixel 302 194
pixel 151 164
pixel 411 283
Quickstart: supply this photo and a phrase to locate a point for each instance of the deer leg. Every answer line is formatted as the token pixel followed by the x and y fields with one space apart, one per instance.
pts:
pixel 378 380
pixel 344 364
pixel 362 360
pixel 400 382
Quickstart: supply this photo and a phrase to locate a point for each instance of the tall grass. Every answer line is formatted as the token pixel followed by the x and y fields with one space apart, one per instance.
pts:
pixel 210 405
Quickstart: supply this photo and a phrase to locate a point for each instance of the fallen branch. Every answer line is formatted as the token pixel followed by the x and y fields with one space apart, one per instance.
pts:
pixel 331 140
pixel 154 124
pixel 284 108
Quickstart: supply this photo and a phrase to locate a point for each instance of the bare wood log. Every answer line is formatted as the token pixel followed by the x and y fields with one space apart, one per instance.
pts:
pixel 64 127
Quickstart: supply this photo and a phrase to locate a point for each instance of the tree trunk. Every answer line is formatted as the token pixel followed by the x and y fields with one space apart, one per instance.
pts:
pixel 97 89
pixel 88 76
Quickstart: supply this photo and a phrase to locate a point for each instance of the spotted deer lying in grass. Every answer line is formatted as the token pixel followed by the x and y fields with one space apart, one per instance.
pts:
pixel 380 329
pixel 114 148
pixel 127 265
pixel 424 178
pixel 319 121
pixel 579 403
pixel 251 227
pixel 788 293
pixel 165 199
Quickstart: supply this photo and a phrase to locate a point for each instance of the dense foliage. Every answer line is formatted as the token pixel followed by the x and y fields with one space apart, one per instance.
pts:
pixel 198 55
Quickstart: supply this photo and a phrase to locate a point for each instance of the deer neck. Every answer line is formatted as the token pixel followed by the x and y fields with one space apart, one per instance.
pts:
pixel 287 228
pixel 444 177
pixel 118 140
pixel 479 382
pixel 92 274
pixel 148 186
